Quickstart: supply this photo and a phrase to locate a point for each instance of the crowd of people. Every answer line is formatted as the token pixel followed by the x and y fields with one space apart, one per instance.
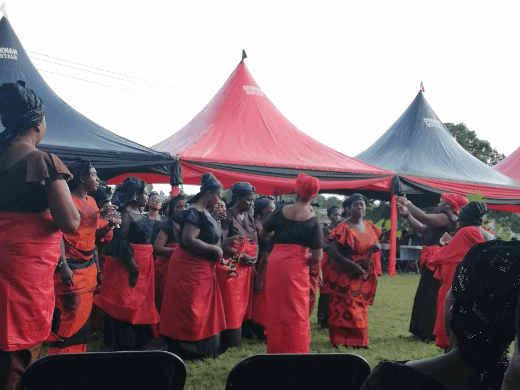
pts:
pixel 204 274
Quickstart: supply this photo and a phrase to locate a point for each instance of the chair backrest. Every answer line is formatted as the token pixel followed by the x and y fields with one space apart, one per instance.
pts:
pixel 106 370
pixel 299 371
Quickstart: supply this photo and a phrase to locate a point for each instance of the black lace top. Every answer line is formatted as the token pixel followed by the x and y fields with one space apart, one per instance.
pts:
pixel 135 229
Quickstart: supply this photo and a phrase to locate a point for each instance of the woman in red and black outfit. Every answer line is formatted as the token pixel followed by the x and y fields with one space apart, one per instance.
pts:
pixel 235 273
pixel 78 271
pixel 128 289
pixel 166 242
pixel 35 208
pixel 298 242
pixel 192 312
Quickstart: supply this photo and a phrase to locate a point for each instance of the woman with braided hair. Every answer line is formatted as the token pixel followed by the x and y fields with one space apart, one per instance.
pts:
pixel 78 272
pixel 35 208
pixel 479 316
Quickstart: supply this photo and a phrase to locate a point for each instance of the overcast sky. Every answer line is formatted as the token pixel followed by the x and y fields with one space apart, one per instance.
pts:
pixel 341 71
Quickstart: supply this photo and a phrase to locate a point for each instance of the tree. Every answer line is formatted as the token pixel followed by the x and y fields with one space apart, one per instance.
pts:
pixel 471 143
pixel 487 154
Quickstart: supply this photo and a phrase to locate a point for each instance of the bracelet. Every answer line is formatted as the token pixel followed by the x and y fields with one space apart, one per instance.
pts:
pixel 61 263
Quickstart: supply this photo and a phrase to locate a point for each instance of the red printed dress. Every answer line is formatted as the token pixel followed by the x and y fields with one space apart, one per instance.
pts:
pixel 350 297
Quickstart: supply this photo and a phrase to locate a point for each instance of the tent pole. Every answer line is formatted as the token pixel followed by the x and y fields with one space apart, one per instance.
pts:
pixel 393 235
pixel 175 191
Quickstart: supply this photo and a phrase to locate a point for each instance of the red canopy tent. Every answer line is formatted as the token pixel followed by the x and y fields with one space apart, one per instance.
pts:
pixel 241 136
pixel 510 166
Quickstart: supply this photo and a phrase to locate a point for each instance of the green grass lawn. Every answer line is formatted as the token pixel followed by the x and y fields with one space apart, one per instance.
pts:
pixel 389 338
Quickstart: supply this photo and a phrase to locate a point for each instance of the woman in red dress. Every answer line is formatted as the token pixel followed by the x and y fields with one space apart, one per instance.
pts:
pixel 298 242
pixel 235 273
pixel 446 259
pixel 192 312
pixel 128 288
pixel 78 272
pixel 35 208
pixel 352 279
pixel 166 242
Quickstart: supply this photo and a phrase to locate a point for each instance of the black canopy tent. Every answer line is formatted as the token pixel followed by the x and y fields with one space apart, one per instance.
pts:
pixel 429 161
pixel 69 133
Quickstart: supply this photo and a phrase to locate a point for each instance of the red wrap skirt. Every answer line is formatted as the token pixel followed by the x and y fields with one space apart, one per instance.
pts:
pixel 237 291
pixel 287 292
pixel 122 302
pixel 314 279
pixel 29 253
pixel 161 270
pixel 192 307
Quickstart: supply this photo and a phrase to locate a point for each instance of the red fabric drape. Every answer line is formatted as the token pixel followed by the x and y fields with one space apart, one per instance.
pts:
pixel 161 270
pixel 29 253
pixel 237 291
pixel 287 292
pixel 192 307
pixel 119 300
pixel 446 260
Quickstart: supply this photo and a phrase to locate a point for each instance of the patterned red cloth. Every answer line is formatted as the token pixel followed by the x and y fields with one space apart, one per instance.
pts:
pixel 287 292
pixel 350 297
pixel 84 239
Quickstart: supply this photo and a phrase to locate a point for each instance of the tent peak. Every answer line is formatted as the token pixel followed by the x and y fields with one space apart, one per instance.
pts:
pixel 3 12
pixel 244 55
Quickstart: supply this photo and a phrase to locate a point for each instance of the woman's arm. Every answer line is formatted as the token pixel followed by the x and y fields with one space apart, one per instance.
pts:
pixel 190 240
pixel 355 269
pixel 63 210
pixel 160 248
pixel 67 277
pixel 432 220
pixel 315 256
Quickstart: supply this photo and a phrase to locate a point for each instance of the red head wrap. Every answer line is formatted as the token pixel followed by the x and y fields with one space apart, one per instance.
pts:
pixel 455 200
pixel 307 186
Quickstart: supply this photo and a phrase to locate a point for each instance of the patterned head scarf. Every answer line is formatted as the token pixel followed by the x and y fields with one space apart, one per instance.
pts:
pixel 20 109
pixel 485 289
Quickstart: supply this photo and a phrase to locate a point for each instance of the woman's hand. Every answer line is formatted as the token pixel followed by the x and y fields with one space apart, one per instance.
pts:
pixel 67 277
pixel 247 260
pixel 99 278
pixel 402 210
pixel 217 252
pixel 376 247
pixel 320 279
pixel 401 200
pixel 114 220
pixel 133 275
pixel 356 271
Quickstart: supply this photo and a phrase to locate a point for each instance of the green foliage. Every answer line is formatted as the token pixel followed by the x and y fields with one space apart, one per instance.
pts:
pixel 476 196
pixel 470 142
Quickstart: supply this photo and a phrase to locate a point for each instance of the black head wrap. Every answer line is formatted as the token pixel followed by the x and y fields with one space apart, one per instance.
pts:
pixel 102 194
pixel 173 201
pixel 20 109
pixel 472 213
pixel 346 202
pixel 125 193
pixel 79 168
pixel 355 197
pixel 208 182
pixel 241 189
pixel 260 204
pixel 330 210
pixel 485 289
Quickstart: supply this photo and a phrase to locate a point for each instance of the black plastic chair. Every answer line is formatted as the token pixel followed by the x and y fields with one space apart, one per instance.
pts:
pixel 159 370
pixel 299 371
